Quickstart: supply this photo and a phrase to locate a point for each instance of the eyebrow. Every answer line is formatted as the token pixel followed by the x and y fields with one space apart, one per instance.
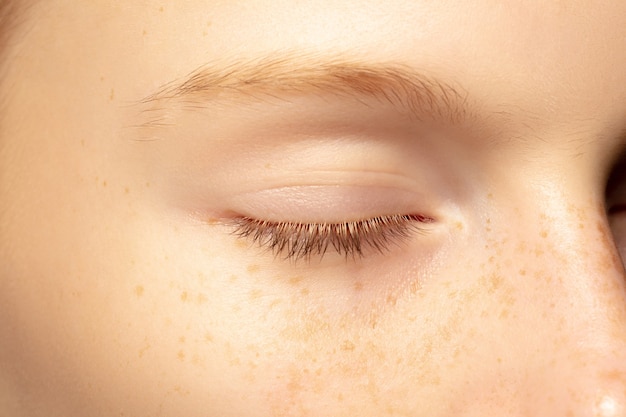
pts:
pixel 411 92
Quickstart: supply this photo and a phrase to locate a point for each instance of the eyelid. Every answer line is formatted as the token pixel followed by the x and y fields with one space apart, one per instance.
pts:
pixel 296 240
pixel 329 203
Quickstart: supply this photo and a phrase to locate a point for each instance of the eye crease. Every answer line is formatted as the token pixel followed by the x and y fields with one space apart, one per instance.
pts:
pixel 295 241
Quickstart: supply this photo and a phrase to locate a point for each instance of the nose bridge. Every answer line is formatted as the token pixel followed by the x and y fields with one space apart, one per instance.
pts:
pixel 580 281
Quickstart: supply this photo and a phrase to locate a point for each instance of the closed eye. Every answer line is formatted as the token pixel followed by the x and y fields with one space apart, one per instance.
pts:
pixel 294 240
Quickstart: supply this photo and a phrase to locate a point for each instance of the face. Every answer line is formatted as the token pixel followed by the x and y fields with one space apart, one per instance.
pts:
pixel 319 208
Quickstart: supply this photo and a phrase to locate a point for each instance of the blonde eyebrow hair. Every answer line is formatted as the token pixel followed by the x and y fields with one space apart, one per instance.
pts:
pixel 295 74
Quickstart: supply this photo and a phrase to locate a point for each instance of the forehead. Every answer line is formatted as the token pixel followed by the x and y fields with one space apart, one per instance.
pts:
pixel 560 60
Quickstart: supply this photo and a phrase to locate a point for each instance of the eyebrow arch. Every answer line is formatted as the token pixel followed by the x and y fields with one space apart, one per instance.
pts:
pixel 412 92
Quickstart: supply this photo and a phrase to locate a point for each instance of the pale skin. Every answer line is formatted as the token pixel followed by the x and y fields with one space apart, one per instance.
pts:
pixel 125 292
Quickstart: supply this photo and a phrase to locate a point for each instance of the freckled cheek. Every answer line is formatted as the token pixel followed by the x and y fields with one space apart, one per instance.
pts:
pixel 281 335
pixel 287 343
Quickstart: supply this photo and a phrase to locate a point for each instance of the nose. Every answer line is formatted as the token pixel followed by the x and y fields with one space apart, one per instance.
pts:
pixel 578 366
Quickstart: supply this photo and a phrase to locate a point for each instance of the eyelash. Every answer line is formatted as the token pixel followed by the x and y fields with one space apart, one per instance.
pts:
pixel 297 241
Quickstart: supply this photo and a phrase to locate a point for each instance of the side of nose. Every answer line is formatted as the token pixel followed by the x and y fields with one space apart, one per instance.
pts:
pixel 578 284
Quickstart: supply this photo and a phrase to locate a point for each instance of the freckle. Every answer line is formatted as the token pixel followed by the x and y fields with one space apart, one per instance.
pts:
pixel 147 185
pixel 490 196
pixel 112 95
pixel 391 299
pixel 358 286
pixel 184 296
pixel 233 278
pixel 181 355
pixel 522 272
pixel 544 234
pixel 139 290
pixel 161 9
pixel 253 268
pixel 255 294
pixel 82 142
pixel 268 166
pixel 208 337
pixel 496 282
pixel 295 280
pixel 504 313
pixel 304 291
pixel 202 298
pixel 126 190
pixel 459 225
pixel 181 339
pixel 104 183
pixel 241 244
pixel 347 345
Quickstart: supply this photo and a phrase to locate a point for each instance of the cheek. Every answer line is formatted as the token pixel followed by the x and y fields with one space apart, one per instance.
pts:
pixel 192 325
pixel 187 324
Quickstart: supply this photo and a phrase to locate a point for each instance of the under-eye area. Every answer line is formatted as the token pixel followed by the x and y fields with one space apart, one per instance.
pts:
pixel 351 239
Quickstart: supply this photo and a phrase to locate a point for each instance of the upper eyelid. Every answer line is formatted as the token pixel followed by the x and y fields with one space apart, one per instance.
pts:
pixel 319 203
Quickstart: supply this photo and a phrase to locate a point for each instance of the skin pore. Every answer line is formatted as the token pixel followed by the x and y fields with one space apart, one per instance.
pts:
pixel 457 153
